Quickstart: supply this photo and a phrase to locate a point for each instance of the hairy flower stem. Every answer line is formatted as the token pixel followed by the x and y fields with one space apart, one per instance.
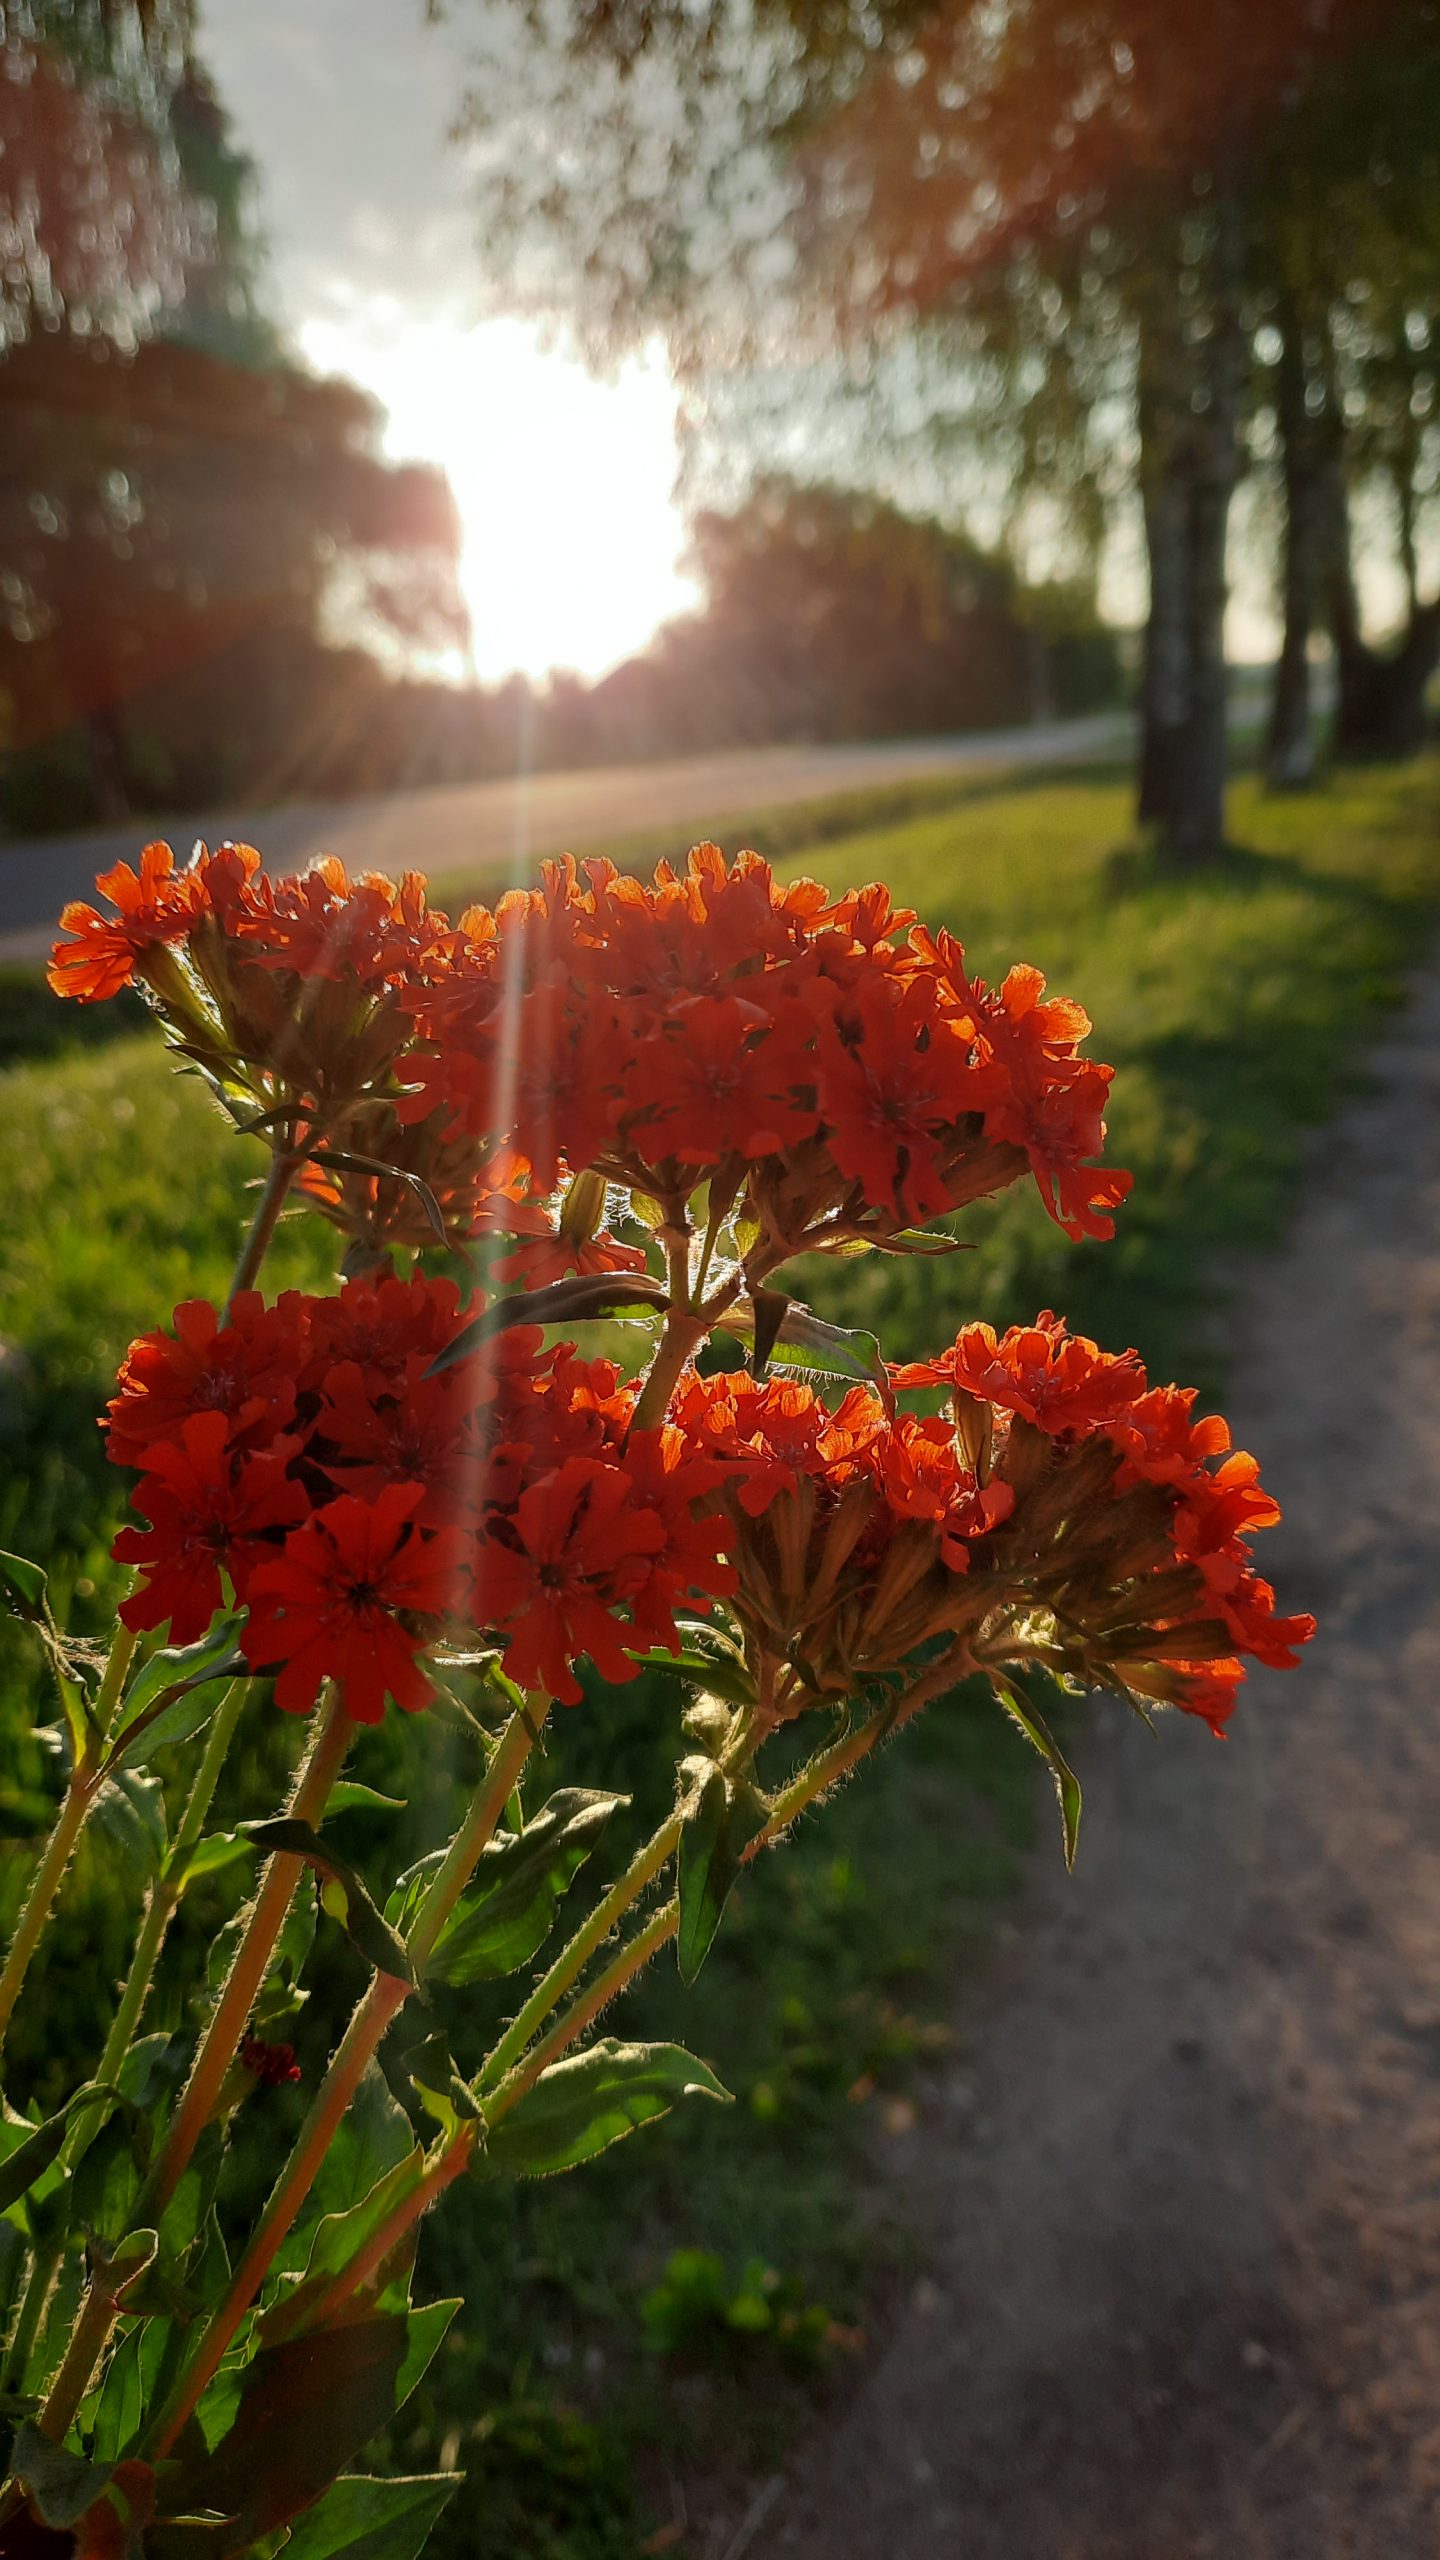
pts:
pixel 572 2022
pixel 44 2267
pixel 162 1903
pixel 74 1813
pixel 45 1885
pixel 385 1997
pixel 377 2009
pixel 268 1912
pixel 320 2311
pixel 99 2313
pixel 574 1957
pixel 478 1828
pixel 285 1163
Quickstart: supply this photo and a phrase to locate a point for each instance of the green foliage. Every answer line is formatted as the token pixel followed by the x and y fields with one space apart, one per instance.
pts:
pixel 590 2099
pixel 505 1915
pixel 698 2310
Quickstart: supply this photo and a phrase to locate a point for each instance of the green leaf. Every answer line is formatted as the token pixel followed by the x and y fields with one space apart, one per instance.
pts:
pixel 25 1585
pixel 307 2407
pixel 345 1894
pixel 424 2334
pixel 372 2519
pixel 373 2136
pixel 804 1340
pixel 107 2180
pixel 120 2409
pixel 507 1910
pixel 26 2155
pixel 576 1301
pixel 175 1694
pixel 349 1796
pixel 337 2239
pixel 129 1817
pixel 727 1814
pixel 60 2485
pixel 1038 1734
pixel 920 1240
pixel 29 2161
pixel 588 2100
pixel 725 1677
pixel 218 1849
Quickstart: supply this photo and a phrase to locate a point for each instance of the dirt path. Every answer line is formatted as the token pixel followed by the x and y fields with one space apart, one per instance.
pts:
pixel 1183 2193
pixel 466 832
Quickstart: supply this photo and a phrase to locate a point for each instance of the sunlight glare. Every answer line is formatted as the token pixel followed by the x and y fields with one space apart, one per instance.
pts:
pixel 565 485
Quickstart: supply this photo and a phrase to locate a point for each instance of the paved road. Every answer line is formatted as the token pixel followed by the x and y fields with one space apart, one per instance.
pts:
pixel 1181 2297
pixel 479 828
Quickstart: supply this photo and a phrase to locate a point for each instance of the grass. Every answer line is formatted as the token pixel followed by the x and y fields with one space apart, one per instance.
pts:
pixel 668 2313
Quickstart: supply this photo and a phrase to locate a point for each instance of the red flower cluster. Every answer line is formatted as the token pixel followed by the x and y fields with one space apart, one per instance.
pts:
pixel 854 1531
pixel 356 1504
pixel 1122 1529
pixel 824 1058
pixel 831 1068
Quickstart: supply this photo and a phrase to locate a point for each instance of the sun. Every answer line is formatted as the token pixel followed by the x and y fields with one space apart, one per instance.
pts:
pixel 571 535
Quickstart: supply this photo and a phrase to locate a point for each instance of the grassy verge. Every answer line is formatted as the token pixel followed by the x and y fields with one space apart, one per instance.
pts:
pixel 668 2313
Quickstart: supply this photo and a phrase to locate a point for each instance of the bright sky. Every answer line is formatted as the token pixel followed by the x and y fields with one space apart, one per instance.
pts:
pixel 565 484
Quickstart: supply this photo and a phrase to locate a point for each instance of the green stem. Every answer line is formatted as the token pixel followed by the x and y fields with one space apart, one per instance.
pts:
pixel 572 2022
pixel 44 1886
pixel 385 1997
pixel 318 2312
pixel 362 2040
pixel 122 1654
pixel 87 2340
pixel 164 1901
pixel 228 2019
pixel 43 2269
pixel 74 1813
pixel 478 1828
pixel 574 1957
pixel 285 1163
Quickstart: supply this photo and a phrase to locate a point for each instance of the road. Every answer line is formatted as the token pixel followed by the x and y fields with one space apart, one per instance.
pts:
pixel 1180 2186
pixel 469 831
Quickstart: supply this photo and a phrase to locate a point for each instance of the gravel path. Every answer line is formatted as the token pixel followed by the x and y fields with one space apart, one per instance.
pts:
pixel 1183 2191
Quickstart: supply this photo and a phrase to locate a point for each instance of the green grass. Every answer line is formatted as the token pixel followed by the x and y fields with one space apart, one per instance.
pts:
pixel 667 2311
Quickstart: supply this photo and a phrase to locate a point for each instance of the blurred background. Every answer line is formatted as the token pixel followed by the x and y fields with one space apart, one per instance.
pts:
pixel 994 446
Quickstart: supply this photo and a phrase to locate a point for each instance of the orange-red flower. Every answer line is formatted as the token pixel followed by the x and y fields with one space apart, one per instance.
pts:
pixel 208 1515
pixel 355 1597
pixel 550 1575
pixel 155 905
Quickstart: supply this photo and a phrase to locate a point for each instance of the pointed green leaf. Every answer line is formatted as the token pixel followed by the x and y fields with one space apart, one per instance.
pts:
pixel 344 1893
pixel 588 2100
pixel 349 1796
pixel 218 1849
pixel 26 2152
pixel 506 1912
pixel 24 1585
pixel 920 1240
pixel 576 1301
pixel 728 1813
pixel 129 1817
pixel 1038 1734
pixel 724 1677
pixel 175 1694
pixel 424 2335
pixel 372 2519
